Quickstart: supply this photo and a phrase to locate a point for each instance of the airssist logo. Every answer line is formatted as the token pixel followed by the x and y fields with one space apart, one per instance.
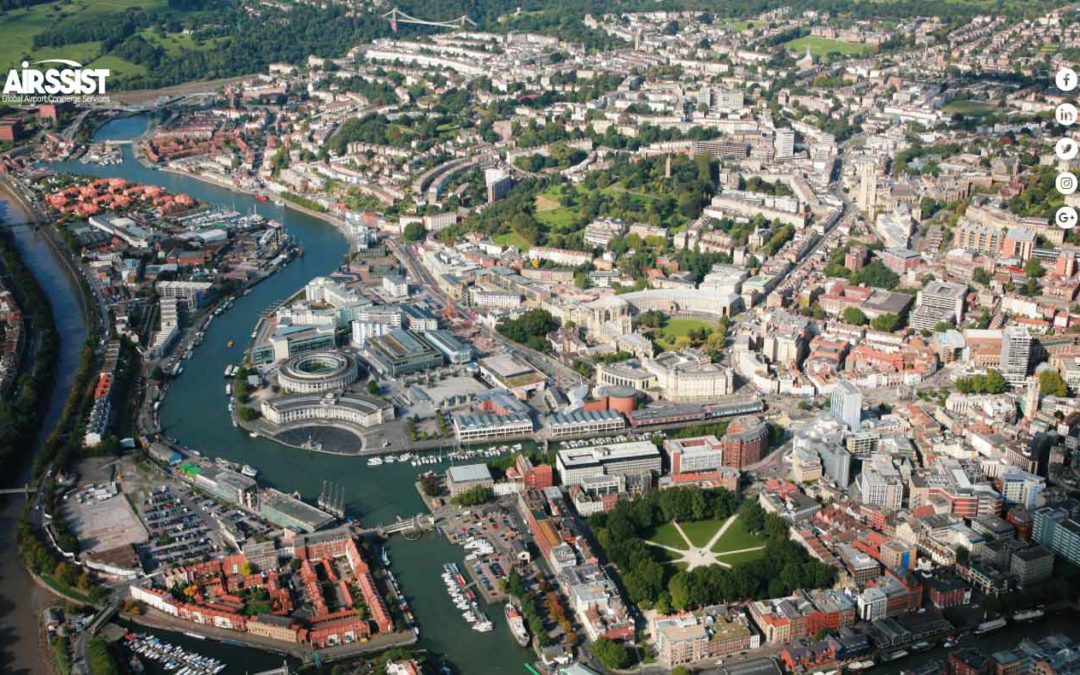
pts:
pixel 68 82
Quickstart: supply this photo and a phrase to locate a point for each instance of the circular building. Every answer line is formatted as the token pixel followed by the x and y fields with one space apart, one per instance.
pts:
pixel 745 442
pixel 316 372
pixel 620 399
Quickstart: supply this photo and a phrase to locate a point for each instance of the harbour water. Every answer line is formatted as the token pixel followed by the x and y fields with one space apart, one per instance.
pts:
pixel 373 494
pixel 1006 638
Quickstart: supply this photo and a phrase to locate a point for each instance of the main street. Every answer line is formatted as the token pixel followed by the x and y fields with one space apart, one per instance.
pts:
pixel 563 374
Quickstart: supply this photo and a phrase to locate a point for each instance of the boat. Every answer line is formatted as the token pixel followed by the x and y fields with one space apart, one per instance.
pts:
pixel 950 643
pixel 861 665
pixel 920 646
pixel 1028 615
pixel 517 625
pixel 249 471
pixel 261 198
pixel 230 344
pixel 991 625
pixel 892 656
pixel 374 461
pixel 254 434
pixel 228 389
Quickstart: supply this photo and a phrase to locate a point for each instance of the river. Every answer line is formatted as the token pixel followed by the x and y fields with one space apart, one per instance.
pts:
pixel 20 599
pixel 374 495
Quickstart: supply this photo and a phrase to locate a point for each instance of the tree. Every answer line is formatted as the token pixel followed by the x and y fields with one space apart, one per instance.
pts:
pixel 610 653
pixel 995 382
pixel 413 232
pixel 1051 384
pixel 1033 268
pixel 157 374
pixel 530 328
pixel 854 316
pixel 473 496
pixel 886 323
pixel 982 276
pixel 373 387
pixel 679 590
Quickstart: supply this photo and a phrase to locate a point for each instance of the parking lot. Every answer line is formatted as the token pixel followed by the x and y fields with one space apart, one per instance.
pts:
pixel 178 532
pixel 492 536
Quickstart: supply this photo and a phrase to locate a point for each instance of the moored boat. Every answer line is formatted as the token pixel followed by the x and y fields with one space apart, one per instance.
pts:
pixel 516 624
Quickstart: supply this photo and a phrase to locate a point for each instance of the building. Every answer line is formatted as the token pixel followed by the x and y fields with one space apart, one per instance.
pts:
pixel 938 302
pixel 1031 564
pixel 880 484
pixel 1056 530
pixel 1019 487
pixel 845 406
pixel 708 634
pixel 689 376
pixel 745 442
pixel 512 374
pixel 583 422
pixel 784 143
pixel 396 285
pixel 352 408
pixel 694 455
pixel 400 352
pixel 288 511
pixel 1015 354
pixel 617 459
pixel 455 351
pixel 289 340
pixel 467 477
pixel 315 372
pixel 489 426
pixel 191 294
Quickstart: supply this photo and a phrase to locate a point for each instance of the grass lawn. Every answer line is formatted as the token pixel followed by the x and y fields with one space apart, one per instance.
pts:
pixel 511 239
pixel 737 538
pixel 701 531
pixel 551 214
pixel 739 558
pixel 83 52
pixel 969 107
pixel 117 65
pixel 176 43
pixel 20 26
pixel 740 24
pixel 667 535
pixel 546 201
pixel 679 327
pixel 821 46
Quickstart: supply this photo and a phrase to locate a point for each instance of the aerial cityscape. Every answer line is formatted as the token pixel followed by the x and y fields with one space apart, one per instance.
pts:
pixel 564 337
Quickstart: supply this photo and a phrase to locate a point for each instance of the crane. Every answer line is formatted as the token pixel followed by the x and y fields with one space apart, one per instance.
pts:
pixel 397 16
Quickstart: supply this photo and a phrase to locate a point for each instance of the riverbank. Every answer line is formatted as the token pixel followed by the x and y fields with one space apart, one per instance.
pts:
pixel 22 599
pixel 324 216
pixel 161 621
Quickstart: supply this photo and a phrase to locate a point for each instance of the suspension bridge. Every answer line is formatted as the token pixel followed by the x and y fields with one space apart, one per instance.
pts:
pixel 396 16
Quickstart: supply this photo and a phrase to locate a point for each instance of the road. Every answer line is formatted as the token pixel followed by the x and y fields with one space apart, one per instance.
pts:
pixel 563 374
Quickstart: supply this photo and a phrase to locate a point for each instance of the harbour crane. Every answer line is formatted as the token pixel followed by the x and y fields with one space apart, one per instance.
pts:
pixel 397 16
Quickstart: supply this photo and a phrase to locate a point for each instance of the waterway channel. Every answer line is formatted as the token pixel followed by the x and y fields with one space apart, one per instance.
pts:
pixel 194 412
pixel 20 599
